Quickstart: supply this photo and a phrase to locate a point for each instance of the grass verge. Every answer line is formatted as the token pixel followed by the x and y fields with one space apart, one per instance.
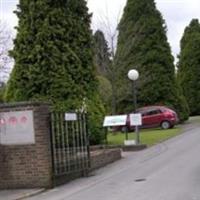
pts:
pixel 148 136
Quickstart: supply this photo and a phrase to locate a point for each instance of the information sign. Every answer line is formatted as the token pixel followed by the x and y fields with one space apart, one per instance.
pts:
pixel 70 116
pixel 115 120
pixel 136 119
pixel 16 128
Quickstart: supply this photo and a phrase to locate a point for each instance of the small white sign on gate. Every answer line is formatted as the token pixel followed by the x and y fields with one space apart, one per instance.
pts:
pixel 70 116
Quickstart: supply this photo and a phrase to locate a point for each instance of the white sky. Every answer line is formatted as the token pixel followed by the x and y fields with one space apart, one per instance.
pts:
pixel 177 14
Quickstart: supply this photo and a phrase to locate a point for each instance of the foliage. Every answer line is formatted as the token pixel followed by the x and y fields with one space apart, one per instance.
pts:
pixel 189 66
pixel 2 90
pixel 142 44
pixel 103 65
pixel 96 113
pixel 102 55
pixel 53 55
pixel 105 91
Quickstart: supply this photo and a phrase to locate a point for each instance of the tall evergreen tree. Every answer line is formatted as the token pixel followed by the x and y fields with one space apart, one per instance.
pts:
pixel 104 62
pixel 102 55
pixel 189 66
pixel 142 44
pixel 49 63
pixel 103 66
pixel 54 58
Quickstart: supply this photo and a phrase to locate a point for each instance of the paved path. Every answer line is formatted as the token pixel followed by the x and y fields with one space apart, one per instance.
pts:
pixel 18 194
pixel 167 171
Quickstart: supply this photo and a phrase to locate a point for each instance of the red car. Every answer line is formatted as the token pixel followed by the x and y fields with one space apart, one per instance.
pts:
pixel 154 116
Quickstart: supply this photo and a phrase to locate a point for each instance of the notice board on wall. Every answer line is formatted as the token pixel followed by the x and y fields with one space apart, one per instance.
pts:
pixel 16 128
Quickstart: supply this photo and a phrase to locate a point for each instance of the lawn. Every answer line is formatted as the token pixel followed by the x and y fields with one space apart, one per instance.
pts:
pixel 147 136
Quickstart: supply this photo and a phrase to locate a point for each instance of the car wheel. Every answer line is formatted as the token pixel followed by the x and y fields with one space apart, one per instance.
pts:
pixel 124 129
pixel 165 125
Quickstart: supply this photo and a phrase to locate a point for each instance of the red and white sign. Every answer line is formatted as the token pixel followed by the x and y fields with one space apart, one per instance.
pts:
pixel 16 128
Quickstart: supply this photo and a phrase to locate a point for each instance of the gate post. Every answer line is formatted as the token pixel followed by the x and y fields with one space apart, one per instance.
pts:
pixel 25 149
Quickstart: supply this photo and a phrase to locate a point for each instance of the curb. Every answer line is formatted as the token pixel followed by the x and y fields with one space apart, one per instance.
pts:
pixel 29 194
pixel 134 147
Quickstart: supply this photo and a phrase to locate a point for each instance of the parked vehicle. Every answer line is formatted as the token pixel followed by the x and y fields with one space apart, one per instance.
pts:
pixel 152 117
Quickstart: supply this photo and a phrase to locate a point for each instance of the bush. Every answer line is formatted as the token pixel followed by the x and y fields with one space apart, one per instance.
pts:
pixel 96 114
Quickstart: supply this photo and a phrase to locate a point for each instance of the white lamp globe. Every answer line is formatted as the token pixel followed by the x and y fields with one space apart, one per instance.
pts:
pixel 133 74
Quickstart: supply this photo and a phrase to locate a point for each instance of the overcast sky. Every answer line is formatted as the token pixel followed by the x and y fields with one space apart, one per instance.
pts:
pixel 177 14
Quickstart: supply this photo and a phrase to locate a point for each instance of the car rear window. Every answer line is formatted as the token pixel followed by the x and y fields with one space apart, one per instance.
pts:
pixel 151 112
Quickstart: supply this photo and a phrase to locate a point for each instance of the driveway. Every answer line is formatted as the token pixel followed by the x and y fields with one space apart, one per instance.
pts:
pixel 167 171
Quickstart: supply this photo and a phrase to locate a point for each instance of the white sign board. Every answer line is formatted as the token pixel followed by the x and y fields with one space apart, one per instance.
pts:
pixel 16 128
pixel 136 119
pixel 117 120
pixel 70 116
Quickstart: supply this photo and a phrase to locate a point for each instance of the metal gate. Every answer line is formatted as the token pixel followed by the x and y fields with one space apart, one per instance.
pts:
pixel 70 146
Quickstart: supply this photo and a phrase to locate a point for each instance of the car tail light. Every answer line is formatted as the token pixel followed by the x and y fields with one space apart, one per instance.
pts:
pixel 169 114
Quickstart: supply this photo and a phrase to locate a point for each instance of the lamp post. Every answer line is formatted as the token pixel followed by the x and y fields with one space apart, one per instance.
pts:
pixel 133 75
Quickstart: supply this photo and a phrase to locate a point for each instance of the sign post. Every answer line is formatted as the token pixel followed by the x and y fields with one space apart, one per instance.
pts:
pixel 114 120
pixel 136 120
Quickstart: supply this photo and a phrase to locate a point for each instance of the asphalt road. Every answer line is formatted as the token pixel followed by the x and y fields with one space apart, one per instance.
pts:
pixel 167 171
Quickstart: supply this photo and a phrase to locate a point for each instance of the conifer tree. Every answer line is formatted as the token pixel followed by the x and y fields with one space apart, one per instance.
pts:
pixel 48 61
pixel 142 44
pixel 189 66
pixel 102 55
pixel 54 58
pixel 103 66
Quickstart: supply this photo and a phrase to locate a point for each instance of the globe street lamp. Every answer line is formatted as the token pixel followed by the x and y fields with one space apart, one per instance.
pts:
pixel 133 75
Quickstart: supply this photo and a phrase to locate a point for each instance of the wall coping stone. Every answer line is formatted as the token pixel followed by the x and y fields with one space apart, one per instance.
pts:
pixel 24 104
pixel 123 147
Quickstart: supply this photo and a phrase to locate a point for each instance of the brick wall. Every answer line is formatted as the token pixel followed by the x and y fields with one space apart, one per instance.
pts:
pixel 28 166
pixel 102 157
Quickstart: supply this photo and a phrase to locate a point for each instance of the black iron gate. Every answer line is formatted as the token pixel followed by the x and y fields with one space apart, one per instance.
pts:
pixel 70 145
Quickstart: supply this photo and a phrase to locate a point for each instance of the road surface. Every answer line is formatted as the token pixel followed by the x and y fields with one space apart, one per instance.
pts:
pixel 167 171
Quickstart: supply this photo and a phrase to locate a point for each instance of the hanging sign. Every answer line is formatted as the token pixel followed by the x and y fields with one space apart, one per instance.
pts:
pixel 70 116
